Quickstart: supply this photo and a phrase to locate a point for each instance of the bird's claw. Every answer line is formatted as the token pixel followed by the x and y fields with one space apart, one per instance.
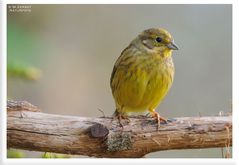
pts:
pixel 120 118
pixel 159 119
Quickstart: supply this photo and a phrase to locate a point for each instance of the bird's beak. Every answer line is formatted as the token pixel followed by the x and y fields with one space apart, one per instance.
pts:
pixel 172 46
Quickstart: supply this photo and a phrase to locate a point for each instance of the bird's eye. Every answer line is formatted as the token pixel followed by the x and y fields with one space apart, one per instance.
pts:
pixel 159 39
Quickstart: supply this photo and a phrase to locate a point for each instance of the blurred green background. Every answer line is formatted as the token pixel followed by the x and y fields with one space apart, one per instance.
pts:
pixel 71 50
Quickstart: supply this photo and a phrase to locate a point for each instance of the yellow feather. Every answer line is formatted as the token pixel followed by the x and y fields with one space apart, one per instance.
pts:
pixel 143 73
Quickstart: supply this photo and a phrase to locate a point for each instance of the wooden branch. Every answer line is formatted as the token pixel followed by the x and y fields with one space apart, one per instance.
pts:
pixel 28 128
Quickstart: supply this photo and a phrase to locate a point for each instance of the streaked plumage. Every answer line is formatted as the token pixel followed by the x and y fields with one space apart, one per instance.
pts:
pixel 143 73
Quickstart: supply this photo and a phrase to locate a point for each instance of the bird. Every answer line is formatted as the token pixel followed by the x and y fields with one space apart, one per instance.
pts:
pixel 143 74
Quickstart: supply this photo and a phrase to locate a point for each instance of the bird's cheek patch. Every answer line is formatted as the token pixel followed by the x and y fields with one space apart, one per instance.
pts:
pixel 148 44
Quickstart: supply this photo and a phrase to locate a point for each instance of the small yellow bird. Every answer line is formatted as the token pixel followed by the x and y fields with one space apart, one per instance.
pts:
pixel 143 73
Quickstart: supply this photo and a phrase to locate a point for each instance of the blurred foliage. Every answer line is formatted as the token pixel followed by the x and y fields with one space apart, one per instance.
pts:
pixel 53 155
pixel 22 44
pixel 12 153
pixel 17 39
pixel 23 71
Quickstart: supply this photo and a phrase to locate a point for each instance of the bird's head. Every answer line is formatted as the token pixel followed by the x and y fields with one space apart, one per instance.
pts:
pixel 157 40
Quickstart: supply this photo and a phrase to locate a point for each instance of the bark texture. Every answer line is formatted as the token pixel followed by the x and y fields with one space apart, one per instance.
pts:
pixel 29 129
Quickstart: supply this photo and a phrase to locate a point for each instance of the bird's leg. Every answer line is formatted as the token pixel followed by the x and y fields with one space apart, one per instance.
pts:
pixel 120 117
pixel 158 118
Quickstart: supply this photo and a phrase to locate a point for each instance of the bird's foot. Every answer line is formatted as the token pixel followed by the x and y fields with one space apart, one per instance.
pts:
pixel 121 117
pixel 158 118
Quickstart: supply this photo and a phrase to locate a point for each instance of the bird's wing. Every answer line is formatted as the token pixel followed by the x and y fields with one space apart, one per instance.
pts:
pixel 117 63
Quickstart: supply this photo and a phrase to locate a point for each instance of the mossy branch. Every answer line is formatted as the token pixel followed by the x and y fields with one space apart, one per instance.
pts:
pixel 30 129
